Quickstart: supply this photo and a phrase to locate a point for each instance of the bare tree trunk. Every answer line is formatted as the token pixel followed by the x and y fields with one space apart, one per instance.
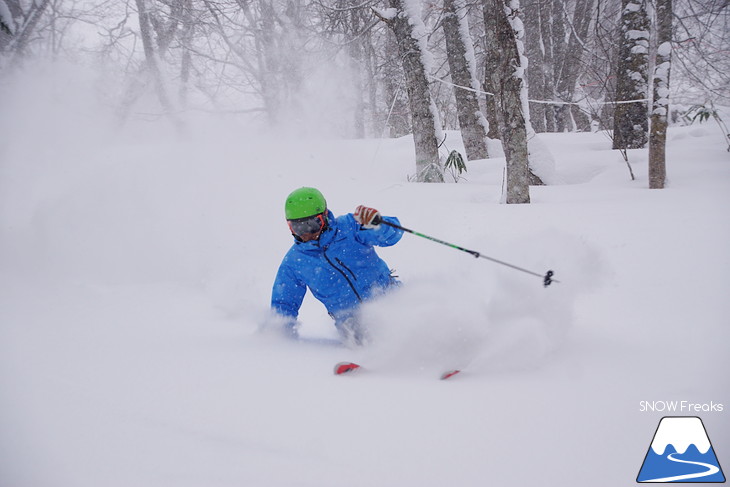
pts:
pixel 537 50
pixel 261 22
pixel 188 26
pixel 349 22
pixel 152 59
pixel 27 29
pixel 660 108
pixel 558 34
pixel 472 123
pixel 600 65
pixel 702 57
pixel 505 58
pixel 423 110
pixel 512 10
pixel 372 86
pixel 356 56
pixel 492 119
pixel 398 121
pixel 491 70
pixel 571 64
pixel 631 121
pixel 10 20
pixel 278 52
pixel 548 24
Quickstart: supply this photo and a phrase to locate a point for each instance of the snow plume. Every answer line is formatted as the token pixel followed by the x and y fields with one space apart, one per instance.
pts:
pixel 326 102
pixel 160 376
pixel 430 324
pixel 528 322
pixel 50 125
pixel 488 318
pixel 80 196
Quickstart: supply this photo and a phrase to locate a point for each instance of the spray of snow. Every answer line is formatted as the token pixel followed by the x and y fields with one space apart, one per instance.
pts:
pixel 137 268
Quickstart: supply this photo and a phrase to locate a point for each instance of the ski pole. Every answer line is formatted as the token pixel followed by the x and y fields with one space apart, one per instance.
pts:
pixel 547 279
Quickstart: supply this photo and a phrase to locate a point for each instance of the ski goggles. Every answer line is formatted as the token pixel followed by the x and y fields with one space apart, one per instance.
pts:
pixel 308 225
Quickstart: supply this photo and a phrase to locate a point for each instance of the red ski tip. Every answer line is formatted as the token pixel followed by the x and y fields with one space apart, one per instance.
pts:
pixel 449 373
pixel 345 367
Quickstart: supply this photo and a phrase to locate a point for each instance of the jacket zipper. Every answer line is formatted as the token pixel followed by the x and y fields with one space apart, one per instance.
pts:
pixel 344 266
pixel 352 286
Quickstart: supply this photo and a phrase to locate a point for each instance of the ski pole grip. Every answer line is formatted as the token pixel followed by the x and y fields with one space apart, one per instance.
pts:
pixel 377 220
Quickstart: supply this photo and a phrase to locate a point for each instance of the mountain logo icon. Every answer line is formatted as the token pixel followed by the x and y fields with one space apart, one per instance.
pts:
pixel 681 452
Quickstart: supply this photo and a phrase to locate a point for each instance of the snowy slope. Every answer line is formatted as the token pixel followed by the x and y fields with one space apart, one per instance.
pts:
pixel 136 272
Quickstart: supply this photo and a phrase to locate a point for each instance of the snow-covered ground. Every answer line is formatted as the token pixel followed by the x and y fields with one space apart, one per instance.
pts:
pixel 135 274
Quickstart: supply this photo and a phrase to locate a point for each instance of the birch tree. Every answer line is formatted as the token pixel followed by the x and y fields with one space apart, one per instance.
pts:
pixel 397 118
pixel 460 56
pixel 9 10
pixel 404 18
pixel 260 40
pixel 506 82
pixel 19 26
pixel 660 106
pixel 188 22
pixel 277 53
pixel 630 125
pixel 357 53
pixel 491 70
pixel 512 10
pixel 567 115
pixel 700 53
pixel 540 23
pixel 350 28
pixel 156 35
pixel 599 67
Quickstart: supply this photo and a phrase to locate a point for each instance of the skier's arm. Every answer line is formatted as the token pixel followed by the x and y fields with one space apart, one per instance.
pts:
pixel 381 235
pixel 287 294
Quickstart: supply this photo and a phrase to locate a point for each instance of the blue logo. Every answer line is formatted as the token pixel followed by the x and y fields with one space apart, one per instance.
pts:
pixel 681 452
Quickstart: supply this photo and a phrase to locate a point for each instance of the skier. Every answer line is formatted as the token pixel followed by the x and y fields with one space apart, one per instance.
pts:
pixel 335 259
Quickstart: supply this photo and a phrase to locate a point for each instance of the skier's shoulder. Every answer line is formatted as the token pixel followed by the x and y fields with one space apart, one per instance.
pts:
pixel 293 255
pixel 346 222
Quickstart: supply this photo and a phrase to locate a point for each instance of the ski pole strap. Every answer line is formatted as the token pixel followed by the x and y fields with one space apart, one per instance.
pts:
pixel 547 279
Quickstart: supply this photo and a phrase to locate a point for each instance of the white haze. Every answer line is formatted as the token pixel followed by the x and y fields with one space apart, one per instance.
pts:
pixel 136 266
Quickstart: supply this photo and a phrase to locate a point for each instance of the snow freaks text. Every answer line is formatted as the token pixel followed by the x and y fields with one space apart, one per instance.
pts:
pixel 680 407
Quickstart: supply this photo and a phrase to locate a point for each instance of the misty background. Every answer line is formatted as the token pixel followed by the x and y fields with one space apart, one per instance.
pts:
pixel 334 65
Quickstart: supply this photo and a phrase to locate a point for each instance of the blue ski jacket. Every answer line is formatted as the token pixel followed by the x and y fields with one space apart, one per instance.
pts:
pixel 341 268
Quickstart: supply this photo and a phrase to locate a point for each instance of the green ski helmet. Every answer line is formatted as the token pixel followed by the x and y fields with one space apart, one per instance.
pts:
pixel 304 202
